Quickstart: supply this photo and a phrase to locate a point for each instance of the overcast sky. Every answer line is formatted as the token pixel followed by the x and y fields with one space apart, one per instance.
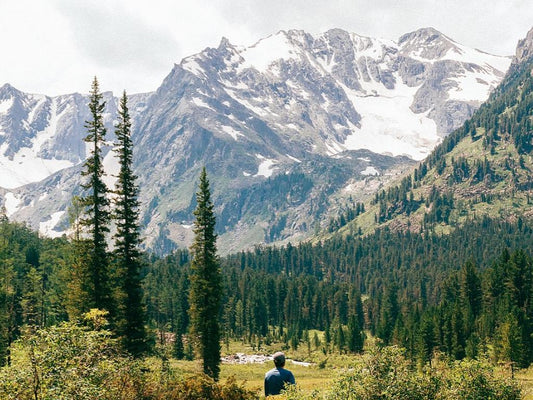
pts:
pixel 56 46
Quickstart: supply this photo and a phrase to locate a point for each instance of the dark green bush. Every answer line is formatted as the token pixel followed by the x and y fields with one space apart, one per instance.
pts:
pixel 72 362
pixel 385 374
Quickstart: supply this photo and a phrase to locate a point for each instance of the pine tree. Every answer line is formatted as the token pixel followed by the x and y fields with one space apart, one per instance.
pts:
pixel 127 239
pixel 7 293
pixel 206 282
pixel 355 335
pixel 76 296
pixel 179 349
pixel 340 338
pixel 97 216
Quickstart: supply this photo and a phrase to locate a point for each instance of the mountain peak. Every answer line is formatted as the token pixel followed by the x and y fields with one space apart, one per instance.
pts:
pixel 427 43
pixel 298 118
pixel 224 42
pixel 8 91
pixel 524 49
pixel 422 35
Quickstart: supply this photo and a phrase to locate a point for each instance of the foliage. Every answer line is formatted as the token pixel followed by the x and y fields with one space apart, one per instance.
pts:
pixel 32 281
pixel 95 283
pixel 69 361
pixel 202 387
pixel 469 379
pixel 206 282
pixel 131 313
pixel 420 291
pixel 65 361
pixel 386 374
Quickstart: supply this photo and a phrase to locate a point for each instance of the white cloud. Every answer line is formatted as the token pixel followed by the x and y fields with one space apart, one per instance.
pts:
pixel 111 36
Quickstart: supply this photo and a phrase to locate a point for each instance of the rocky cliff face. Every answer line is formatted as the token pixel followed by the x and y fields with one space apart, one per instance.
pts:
pixel 524 50
pixel 286 128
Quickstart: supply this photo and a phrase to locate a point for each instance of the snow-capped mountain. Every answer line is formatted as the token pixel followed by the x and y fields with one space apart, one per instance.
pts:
pixel 285 127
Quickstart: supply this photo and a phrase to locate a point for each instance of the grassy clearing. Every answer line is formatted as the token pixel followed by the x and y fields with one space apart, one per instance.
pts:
pixel 321 375
pixel 308 378
pixel 525 377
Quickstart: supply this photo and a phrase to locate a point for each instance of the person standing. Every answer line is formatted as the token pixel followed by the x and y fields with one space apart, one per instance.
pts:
pixel 276 378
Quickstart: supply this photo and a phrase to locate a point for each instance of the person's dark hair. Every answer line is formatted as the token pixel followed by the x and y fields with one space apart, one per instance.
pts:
pixel 279 359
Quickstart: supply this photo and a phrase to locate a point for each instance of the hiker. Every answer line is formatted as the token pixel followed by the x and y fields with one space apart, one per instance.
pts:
pixel 276 378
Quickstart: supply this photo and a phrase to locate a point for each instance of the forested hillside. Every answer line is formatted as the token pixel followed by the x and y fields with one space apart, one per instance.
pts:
pixel 465 289
pixel 452 292
pixel 482 169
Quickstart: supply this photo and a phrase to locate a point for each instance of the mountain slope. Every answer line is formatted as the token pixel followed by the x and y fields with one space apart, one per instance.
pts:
pixel 332 115
pixel 482 169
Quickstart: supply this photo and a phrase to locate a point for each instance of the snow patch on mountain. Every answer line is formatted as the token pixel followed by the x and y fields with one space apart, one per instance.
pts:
pixel 48 133
pixel 389 126
pixel 200 103
pixel 111 164
pixel 294 159
pixel 191 65
pixel 472 84
pixel 27 167
pixel 11 203
pixel 47 227
pixel 266 167
pixel 232 132
pixel 468 55
pixel 264 53
pixel 5 105
pixel 370 171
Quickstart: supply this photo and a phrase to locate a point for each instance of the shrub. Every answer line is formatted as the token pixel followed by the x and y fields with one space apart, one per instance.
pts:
pixel 386 374
pixel 71 362
pixel 474 380
pixel 202 387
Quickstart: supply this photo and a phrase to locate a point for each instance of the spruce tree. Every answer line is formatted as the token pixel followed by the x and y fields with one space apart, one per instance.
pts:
pixel 77 297
pixel 127 240
pixel 355 335
pixel 97 216
pixel 7 292
pixel 206 282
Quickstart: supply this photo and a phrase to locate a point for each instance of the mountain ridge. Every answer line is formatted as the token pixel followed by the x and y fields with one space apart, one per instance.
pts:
pixel 251 119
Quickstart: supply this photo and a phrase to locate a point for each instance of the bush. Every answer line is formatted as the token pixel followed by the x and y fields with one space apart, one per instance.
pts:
pixel 71 362
pixel 386 374
pixel 471 379
pixel 68 362
pixel 202 387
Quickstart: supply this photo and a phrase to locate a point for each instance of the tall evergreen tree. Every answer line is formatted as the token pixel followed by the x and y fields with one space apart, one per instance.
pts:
pixel 127 240
pixel 206 282
pixel 355 335
pixel 77 297
pixel 97 216
pixel 7 292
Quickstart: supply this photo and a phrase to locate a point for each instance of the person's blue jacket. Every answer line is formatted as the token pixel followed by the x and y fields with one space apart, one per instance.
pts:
pixel 275 380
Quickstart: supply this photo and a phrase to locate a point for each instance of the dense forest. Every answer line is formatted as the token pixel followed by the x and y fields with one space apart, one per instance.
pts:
pixel 456 293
